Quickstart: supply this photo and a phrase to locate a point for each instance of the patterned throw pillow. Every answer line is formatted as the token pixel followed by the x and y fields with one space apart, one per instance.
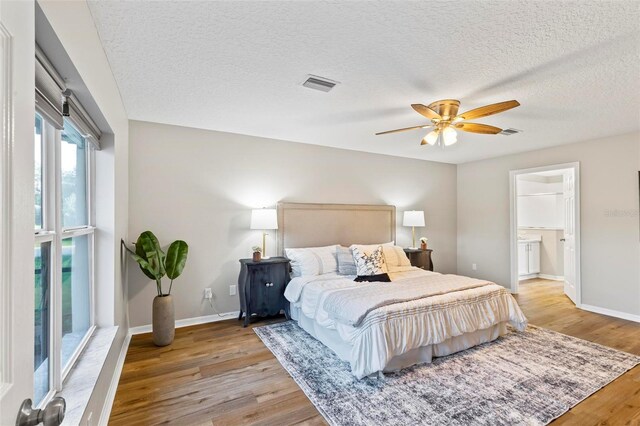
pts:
pixel 369 262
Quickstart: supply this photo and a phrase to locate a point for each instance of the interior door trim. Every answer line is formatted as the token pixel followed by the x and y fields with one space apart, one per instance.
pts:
pixel 513 228
pixel 6 152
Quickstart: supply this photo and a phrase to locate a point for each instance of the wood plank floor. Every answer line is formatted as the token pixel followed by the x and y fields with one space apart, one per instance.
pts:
pixel 222 374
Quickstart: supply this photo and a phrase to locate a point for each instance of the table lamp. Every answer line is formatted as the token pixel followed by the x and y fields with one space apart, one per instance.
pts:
pixel 264 219
pixel 413 218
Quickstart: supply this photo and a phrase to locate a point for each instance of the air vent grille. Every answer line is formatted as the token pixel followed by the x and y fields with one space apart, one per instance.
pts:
pixel 509 132
pixel 319 83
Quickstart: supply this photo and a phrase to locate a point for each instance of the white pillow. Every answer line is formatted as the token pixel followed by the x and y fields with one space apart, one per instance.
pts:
pixel 395 256
pixel 369 260
pixel 312 260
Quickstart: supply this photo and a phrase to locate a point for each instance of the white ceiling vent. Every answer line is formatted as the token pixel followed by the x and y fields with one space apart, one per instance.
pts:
pixel 509 132
pixel 319 83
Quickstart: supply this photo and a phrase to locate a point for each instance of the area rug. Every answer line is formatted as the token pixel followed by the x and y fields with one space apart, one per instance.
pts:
pixel 527 378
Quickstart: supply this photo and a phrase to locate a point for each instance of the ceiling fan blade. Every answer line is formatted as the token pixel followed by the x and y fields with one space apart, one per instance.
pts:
pixel 426 126
pixel 488 110
pixel 478 128
pixel 426 112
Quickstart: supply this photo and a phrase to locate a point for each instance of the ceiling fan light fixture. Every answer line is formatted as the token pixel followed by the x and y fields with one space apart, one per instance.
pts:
pixel 449 136
pixel 432 137
pixel 444 117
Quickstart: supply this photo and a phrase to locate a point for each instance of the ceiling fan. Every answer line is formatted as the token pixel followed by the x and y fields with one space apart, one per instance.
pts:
pixel 445 120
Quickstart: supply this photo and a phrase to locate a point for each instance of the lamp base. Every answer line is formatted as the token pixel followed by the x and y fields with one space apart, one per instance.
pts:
pixel 266 257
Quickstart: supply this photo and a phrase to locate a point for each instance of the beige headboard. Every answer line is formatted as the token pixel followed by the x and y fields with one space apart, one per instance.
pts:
pixel 316 225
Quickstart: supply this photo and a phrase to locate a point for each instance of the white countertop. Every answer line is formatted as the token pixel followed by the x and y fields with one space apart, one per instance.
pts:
pixel 530 239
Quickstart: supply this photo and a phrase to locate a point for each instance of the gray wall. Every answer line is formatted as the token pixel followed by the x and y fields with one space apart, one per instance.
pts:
pixel 200 186
pixel 609 202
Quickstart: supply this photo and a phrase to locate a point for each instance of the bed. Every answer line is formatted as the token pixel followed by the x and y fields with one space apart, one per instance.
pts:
pixel 385 326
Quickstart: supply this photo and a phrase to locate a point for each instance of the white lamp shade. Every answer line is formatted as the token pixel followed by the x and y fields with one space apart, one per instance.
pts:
pixel 264 219
pixel 449 136
pixel 413 218
pixel 432 137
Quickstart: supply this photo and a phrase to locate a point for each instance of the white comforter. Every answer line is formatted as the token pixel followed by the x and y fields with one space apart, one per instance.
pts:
pixel 397 328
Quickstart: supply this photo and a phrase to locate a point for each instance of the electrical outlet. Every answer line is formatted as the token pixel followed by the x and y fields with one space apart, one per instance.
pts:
pixel 208 294
pixel 474 266
pixel 90 419
pixel 232 290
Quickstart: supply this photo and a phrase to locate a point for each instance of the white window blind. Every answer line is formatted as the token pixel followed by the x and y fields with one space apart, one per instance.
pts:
pixel 51 97
pixel 82 120
pixel 49 88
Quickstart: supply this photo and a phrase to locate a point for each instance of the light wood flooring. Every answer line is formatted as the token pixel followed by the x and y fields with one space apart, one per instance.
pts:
pixel 222 374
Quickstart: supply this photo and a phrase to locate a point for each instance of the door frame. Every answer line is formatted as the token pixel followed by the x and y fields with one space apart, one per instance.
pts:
pixel 6 184
pixel 513 227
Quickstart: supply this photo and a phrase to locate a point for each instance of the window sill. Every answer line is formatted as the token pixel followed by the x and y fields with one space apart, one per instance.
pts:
pixel 78 386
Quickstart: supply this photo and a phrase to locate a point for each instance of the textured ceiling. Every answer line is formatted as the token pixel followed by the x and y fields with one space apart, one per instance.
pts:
pixel 237 67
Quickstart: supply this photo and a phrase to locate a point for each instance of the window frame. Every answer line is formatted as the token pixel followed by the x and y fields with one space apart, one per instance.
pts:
pixel 53 232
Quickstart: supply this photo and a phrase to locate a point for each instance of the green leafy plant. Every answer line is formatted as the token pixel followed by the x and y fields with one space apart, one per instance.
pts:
pixel 424 240
pixel 154 263
pixel 256 249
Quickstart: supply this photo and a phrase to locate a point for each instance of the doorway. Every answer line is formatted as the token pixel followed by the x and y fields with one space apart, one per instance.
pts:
pixel 545 228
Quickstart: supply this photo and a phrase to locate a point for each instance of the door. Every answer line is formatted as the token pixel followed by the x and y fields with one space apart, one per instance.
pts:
pixel 523 259
pixel 260 280
pixel 569 197
pixel 17 292
pixel 279 281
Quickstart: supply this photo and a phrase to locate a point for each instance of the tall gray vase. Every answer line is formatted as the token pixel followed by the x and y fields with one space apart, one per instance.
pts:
pixel 164 323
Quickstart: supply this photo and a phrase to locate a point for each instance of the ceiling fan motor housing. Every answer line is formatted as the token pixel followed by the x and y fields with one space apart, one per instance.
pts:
pixel 447 108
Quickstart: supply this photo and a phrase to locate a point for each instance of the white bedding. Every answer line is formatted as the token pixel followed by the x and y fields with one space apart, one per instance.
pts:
pixel 352 306
pixel 395 329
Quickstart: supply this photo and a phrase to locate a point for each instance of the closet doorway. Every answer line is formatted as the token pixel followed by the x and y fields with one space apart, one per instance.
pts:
pixel 545 228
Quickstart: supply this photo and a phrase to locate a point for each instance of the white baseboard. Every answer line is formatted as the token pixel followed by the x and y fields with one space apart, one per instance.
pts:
pixel 551 277
pixel 611 312
pixel 527 277
pixel 111 393
pixel 543 276
pixel 188 321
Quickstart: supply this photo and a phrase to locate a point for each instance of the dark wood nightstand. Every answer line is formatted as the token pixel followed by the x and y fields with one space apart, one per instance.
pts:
pixel 420 258
pixel 261 287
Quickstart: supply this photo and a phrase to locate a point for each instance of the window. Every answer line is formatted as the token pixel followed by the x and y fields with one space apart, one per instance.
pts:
pixel 76 297
pixel 38 171
pixel 41 375
pixel 74 178
pixel 63 253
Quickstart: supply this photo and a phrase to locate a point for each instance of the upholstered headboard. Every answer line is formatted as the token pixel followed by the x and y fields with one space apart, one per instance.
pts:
pixel 315 225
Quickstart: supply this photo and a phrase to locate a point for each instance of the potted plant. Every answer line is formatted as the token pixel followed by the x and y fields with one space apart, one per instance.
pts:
pixel 155 264
pixel 257 253
pixel 423 243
